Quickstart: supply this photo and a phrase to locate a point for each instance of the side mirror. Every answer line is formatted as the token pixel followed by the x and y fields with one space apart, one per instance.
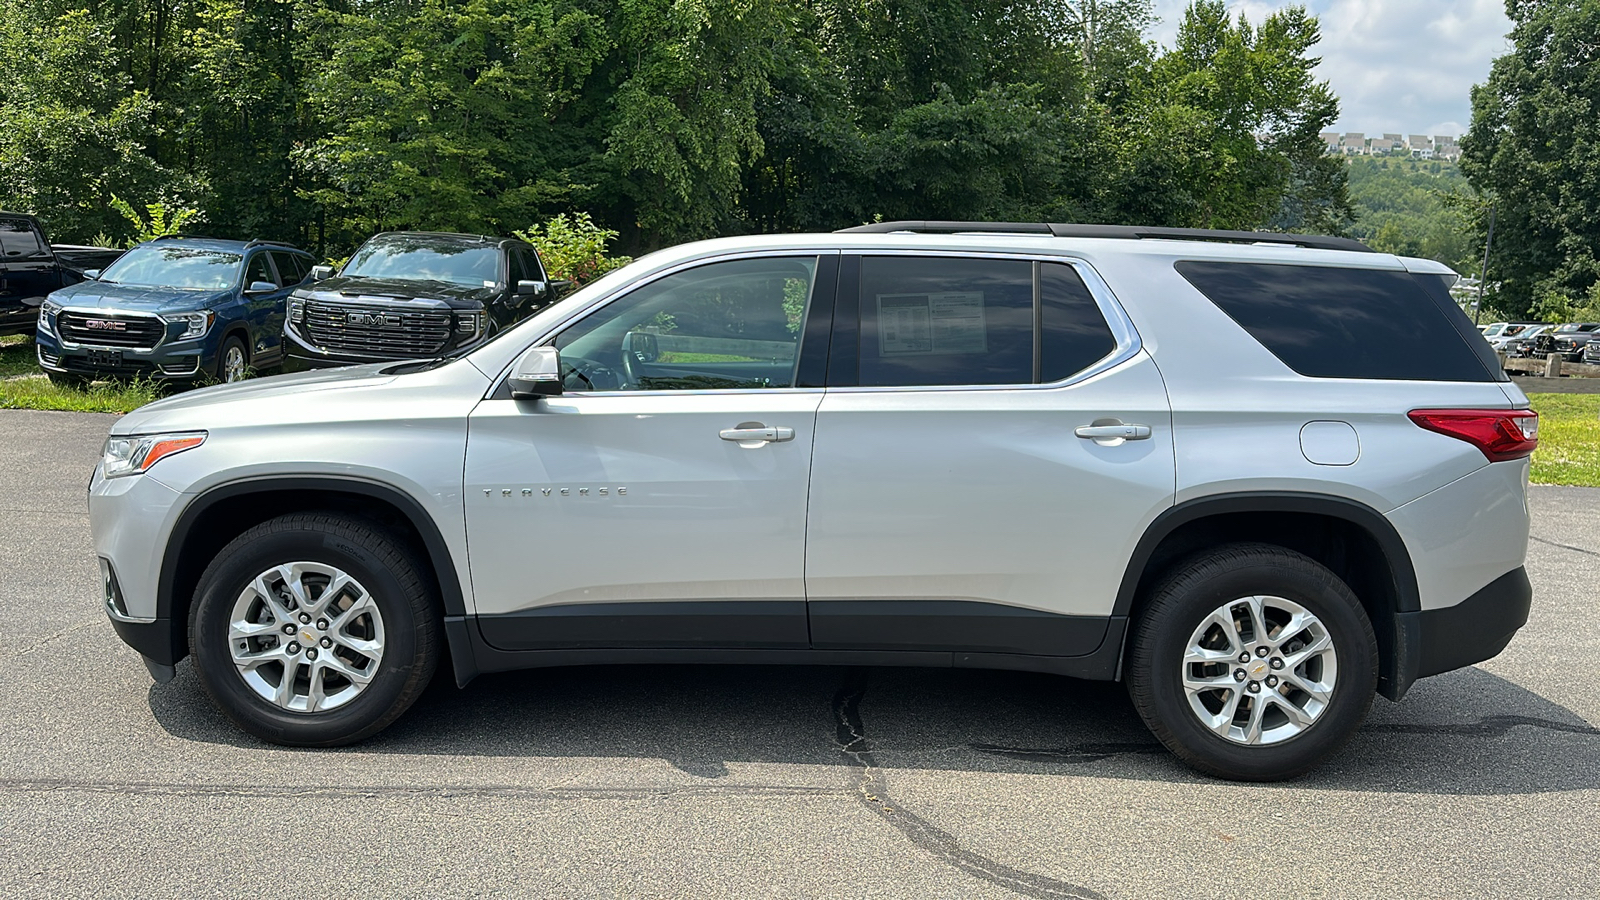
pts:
pixel 534 288
pixel 537 374
pixel 320 272
pixel 92 274
pixel 260 287
pixel 642 344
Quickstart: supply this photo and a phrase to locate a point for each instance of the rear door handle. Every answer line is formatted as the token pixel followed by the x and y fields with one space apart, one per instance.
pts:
pixel 754 434
pixel 1116 431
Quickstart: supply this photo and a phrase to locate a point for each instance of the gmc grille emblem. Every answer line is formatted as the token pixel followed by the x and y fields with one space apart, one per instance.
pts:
pixel 361 318
pixel 105 325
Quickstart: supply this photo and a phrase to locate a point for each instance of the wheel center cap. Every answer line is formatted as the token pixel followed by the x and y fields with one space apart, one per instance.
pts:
pixel 1258 669
pixel 307 637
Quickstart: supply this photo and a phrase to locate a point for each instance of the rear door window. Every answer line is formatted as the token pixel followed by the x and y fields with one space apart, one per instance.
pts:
pixel 951 321
pixel 1328 322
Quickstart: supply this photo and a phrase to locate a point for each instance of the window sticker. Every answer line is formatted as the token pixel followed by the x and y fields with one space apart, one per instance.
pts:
pixel 948 322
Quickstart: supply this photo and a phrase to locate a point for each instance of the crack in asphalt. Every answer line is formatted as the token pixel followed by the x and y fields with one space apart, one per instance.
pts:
pixel 872 789
pixel 1488 726
pixel 39 644
pixel 425 792
pixel 1562 546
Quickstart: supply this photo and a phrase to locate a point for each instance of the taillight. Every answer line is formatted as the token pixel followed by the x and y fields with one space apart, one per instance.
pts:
pixel 1501 434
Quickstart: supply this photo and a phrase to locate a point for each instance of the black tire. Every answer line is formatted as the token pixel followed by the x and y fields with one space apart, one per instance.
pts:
pixel 1203 583
pixel 381 563
pixel 67 380
pixel 231 345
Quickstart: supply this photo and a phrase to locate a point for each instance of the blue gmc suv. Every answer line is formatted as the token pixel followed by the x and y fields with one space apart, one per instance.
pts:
pixel 176 308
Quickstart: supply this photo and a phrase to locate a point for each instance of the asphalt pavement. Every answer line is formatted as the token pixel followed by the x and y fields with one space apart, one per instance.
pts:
pixel 763 781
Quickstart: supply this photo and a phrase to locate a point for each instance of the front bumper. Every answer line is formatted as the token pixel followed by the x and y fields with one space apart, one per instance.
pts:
pixel 180 362
pixel 300 356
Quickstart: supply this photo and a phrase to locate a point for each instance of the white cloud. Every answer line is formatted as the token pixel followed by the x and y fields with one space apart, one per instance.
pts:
pixel 1397 65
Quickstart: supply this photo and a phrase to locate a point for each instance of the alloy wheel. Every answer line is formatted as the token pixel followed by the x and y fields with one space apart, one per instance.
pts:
pixel 1259 670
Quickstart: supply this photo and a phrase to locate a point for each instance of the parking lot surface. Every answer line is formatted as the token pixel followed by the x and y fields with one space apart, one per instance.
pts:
pixel 763 781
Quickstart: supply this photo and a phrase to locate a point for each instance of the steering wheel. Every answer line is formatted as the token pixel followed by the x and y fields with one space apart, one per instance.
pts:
pixel 592 375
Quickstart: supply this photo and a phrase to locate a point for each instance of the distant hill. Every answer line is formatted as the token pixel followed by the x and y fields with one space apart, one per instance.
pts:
pixel 1401 207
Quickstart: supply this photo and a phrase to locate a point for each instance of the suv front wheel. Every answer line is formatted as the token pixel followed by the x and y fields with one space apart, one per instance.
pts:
pixel 1253 662
pixel 314 630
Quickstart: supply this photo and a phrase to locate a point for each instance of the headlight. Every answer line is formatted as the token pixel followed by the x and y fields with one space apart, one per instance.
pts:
pixel 297 309
pixel 196 324
pixel 133 454
pixel 470 323
pixel 47 314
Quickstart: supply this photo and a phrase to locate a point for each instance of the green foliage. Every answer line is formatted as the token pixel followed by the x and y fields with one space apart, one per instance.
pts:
pixel 323 121
pixel 156 221
pixel 1556 307
pixel 1415 208
pixel 1533 148
pixel 574 247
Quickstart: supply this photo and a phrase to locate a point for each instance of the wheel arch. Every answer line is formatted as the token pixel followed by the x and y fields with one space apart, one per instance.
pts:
pixel 222 513
pixel 1352 539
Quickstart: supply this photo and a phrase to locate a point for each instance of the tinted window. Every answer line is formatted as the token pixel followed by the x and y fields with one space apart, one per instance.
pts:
pixel 933 321
pixel 291 267
pixel 1346 323
pixel 259 270
pixel 169 265
pixel 519 267
pixel 427 258
pixel 730 325
pixel 1073 331
pixel 18 240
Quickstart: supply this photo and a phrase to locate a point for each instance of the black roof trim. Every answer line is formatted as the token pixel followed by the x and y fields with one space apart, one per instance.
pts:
pixel 1123 232
pixel 284 244
pixel 184 235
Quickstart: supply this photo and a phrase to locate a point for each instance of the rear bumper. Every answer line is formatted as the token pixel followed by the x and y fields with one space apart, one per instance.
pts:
pixel 1435 641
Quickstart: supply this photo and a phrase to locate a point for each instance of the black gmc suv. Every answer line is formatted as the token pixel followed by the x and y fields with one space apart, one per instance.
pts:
pixel 31 268
pixel 408 295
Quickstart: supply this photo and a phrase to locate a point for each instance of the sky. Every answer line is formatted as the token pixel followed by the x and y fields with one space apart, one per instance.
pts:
pixel 1403 66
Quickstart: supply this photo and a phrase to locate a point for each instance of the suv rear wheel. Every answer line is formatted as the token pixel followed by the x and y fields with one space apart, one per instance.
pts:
pixel 1253 662
pixel 314 630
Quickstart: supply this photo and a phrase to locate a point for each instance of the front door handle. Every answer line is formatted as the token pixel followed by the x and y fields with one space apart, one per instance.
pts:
pixel 754 434
pixel 1102 430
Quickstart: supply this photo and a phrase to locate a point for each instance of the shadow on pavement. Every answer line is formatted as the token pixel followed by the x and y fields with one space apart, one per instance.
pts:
pixel 1467 732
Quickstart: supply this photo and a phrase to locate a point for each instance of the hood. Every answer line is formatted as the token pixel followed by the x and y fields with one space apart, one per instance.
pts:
pixel 397 291
pixel 152 414
pixel 107 296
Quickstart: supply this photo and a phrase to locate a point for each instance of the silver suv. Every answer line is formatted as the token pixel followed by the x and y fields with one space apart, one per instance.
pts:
pixel 1257 477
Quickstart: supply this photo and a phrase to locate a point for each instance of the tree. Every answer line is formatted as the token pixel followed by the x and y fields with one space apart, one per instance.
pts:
pixel 1533 149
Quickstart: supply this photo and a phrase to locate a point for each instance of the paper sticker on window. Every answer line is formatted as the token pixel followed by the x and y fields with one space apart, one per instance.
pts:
pixel 950 322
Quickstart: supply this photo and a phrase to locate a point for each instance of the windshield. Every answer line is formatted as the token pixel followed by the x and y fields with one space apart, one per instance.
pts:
pixel 427 258
pixel 174 266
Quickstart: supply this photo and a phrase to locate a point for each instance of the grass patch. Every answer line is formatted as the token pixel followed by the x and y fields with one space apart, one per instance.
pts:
pixel 16 356
pixel 37 392
pixel 1569 439
pixel 24 386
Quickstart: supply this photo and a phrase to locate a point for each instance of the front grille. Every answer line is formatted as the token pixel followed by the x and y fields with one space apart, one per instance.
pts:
pixel 110 329
pixel 377 330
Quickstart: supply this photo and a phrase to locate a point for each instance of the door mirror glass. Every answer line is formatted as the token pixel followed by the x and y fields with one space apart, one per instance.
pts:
pixel 320 272
pixel 260 287
pixel 642 345
pixel 537 374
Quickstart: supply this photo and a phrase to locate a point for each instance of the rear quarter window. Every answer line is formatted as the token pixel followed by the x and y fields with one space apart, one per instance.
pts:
pixel 1327 322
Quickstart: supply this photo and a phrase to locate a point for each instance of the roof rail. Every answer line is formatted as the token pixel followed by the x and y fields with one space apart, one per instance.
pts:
pixel 260 243
pixel 1124 232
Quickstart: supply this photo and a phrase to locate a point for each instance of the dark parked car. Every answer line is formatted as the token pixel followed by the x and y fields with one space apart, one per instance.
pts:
pixel 1567 340
pixel 175 308
pixel 30 268
pixel 408 295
